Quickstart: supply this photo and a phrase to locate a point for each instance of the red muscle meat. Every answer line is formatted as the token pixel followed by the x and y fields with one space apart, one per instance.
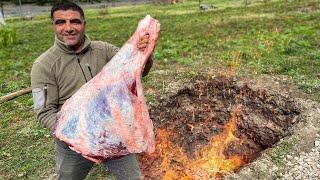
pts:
pixel 108 116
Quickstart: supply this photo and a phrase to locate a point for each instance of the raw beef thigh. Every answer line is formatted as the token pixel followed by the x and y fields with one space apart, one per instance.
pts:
pixel 108 116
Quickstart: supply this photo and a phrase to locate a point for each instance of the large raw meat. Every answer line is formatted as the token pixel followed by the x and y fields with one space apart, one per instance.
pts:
pixel 108 116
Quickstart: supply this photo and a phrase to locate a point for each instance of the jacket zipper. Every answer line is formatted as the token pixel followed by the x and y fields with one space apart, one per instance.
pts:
pixel 45 89
pixel 89 70
pixel 82 70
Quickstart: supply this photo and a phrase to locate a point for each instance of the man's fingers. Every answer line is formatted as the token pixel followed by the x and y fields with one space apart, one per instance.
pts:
pixel 145 36
pixel 143 42
pixel 143 45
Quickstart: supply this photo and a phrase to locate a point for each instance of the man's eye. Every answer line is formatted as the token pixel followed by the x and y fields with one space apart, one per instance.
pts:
pixel 59 22
pixel 76 21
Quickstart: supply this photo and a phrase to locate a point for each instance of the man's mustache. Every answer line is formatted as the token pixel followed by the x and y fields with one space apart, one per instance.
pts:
pixel 70 34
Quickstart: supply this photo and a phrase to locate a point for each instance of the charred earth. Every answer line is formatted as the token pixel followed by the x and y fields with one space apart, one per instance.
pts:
pixel 214 127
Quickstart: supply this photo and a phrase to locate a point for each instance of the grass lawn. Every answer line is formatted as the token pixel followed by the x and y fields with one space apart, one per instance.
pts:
pixel 276 37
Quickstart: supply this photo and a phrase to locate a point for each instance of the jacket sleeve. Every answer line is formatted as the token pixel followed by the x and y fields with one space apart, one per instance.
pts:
pixel 112 50
pixel 45 94
pixel 148 66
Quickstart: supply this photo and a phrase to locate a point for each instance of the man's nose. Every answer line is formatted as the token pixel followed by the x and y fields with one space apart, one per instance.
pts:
pixel 68 27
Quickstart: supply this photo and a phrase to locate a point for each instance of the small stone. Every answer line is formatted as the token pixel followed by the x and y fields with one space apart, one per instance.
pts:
pixel 21 174
pixel 298 176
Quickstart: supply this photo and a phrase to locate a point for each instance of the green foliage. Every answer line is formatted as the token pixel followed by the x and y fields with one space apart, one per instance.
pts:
pixel 103 11
pixel 8 36
pixel 25 147
pixel 278 154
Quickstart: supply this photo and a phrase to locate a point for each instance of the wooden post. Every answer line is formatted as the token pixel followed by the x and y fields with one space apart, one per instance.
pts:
pixel 1 6
pixel 2 20
pixel 20 8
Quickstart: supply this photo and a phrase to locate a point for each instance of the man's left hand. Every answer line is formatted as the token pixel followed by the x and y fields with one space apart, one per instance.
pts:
pixel 143 42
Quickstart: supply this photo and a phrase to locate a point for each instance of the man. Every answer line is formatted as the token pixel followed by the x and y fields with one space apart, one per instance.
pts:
pixel 59 72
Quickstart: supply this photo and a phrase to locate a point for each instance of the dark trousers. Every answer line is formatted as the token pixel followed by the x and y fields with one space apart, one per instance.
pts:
pixel 71 165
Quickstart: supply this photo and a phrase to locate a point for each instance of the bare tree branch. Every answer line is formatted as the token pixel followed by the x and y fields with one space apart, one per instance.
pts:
pixel 14 95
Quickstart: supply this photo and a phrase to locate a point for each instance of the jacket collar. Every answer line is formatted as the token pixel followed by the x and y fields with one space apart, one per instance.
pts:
pixel 66 49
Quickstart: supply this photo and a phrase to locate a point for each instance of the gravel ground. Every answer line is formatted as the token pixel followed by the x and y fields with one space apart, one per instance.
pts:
pixel 296 157
pixel 305 166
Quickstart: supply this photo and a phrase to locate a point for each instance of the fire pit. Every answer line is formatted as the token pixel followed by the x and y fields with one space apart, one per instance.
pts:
pixel 215 127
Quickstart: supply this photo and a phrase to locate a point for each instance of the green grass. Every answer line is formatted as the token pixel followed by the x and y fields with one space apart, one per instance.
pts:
pixel 276 38
pixel 279 153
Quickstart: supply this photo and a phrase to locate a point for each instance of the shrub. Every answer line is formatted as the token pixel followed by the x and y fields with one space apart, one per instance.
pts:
pixel 8 36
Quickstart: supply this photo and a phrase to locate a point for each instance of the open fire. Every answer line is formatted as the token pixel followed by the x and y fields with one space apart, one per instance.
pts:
pixel 211 161
pixel 214 128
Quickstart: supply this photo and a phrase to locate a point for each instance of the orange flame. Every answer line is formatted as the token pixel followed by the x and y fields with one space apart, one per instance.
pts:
pixel 209 162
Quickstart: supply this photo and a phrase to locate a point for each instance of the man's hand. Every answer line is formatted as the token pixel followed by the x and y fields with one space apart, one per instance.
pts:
pixel 143 42
pixel 142 45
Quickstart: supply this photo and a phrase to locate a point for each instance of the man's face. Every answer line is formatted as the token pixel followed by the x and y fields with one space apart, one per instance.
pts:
pixel 69 27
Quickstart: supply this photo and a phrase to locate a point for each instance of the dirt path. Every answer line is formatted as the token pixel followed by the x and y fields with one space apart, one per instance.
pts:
pixel 12 10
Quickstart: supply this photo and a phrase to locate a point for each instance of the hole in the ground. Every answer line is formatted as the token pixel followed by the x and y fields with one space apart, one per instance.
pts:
pixel 214 128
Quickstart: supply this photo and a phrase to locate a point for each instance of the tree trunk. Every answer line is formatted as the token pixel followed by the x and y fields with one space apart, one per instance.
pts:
pixel 2 21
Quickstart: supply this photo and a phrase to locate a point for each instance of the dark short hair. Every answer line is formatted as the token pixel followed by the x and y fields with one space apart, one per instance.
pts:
pixel 66 5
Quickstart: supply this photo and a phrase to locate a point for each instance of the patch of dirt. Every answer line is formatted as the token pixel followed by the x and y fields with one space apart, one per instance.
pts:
pixel 198 114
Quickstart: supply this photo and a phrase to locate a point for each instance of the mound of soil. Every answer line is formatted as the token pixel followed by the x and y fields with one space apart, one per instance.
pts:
pixel 188 122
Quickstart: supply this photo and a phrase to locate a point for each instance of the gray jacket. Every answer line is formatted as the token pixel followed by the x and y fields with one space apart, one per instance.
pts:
pixel 59 72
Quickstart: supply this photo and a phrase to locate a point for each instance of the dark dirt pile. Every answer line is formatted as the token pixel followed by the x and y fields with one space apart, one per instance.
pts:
pixel 187 121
